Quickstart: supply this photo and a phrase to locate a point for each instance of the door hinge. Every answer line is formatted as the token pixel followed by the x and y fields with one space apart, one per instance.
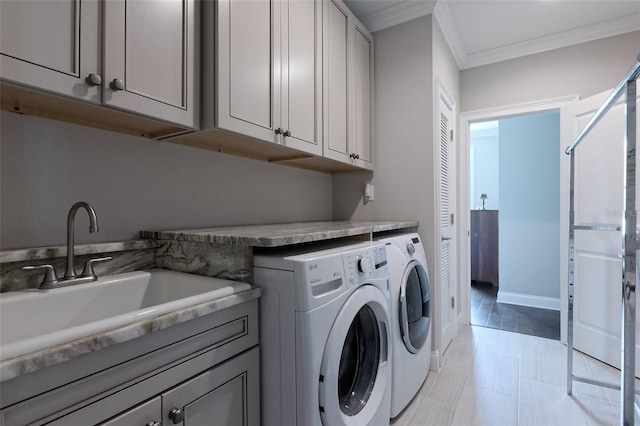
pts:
pixel 452 218
pixel 453 302
pixel 451 135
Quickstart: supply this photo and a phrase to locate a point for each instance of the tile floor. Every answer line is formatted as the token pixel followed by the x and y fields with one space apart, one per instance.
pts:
pixel 494 377
pixel 486 312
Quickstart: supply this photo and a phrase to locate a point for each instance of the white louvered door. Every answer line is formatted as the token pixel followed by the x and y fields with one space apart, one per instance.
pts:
pixel 448 321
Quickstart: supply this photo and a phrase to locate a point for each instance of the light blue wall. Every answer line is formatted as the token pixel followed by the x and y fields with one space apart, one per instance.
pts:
pixel 530 205
pixel 483 143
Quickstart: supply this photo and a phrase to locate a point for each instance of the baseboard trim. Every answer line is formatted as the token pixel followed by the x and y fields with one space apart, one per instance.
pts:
pixel 435 361
pixel 521 299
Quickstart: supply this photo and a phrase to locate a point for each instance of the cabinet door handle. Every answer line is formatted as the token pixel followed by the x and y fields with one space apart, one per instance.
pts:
pixel 287 133
pixel 279 131
pixel 176 415
pixel 93 80
pixel 117 85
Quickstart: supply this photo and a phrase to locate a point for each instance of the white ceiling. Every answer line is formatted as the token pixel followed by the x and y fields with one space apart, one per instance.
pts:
pixel 481 32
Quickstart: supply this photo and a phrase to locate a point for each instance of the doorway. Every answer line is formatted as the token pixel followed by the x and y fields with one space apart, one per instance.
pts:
pixel 506 300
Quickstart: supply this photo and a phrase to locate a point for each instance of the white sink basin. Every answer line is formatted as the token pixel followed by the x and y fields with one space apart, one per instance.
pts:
pixel 36 319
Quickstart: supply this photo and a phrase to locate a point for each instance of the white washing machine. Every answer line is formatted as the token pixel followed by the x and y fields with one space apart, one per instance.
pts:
pixel 324 336
pixel 410 317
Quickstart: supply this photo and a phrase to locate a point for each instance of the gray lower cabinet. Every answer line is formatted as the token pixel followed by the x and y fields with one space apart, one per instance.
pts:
pixel 225 395
pixel 203 371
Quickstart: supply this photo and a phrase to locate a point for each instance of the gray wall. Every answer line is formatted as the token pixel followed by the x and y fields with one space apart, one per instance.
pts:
pixel 402 131
pixel 137 184
pixel 530 205
pixel 584 69
pixel 408 59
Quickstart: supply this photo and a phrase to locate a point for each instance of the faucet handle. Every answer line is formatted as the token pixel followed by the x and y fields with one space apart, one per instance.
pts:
pixel 88 271
pixel 50 277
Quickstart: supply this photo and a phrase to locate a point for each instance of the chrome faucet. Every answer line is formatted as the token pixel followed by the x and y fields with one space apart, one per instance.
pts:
pixel 93 227
pixel 70 277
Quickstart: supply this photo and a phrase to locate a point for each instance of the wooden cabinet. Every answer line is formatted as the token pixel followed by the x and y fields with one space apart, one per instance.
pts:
pixel 142 60
pixel 348 87
pixel 268 71
pixel 484 246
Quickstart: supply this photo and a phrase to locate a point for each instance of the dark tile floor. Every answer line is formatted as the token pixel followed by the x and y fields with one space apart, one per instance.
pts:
pixel 486 312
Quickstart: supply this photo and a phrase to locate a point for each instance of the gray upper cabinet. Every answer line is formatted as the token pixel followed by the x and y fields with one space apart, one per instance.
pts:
pixel 348 87
pixel 150 66
pixel 362 103
pixel 52 45
pixel 150 61
pixel 269 71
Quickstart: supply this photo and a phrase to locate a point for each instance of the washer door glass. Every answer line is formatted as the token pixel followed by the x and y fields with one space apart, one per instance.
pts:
pixel 414 307
pixel 359 362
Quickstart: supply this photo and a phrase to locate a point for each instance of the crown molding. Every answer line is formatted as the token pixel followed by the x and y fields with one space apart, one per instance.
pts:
pixel 443 15
pixel 554 41
pixel 397 14
pixel 584 34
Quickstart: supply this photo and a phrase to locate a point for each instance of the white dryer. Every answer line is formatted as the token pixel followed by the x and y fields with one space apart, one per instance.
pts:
pixel 410 317
pixel 324 336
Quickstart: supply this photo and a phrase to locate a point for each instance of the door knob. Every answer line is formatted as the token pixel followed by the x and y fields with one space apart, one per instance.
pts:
pixel 117 85
pixel 287 133
pixel 93 80
pixel 279 131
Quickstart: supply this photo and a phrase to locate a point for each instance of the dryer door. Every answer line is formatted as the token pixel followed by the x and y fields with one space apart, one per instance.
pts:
pixel 355 373
pixel 414 307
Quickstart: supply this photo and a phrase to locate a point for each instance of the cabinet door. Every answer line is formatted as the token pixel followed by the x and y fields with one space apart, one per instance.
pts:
pixel 362 105
pixel 248 67
pixel 228 394
pixel 51 45
pixel 336 81
pixel 144 414
pixel 151 63
pixel 302 74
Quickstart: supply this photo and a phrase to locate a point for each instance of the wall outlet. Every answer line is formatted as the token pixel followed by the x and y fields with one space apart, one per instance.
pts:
pixel 368 192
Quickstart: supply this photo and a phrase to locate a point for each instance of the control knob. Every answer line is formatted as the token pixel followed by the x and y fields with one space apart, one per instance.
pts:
pixel 411 248
pixel 364 265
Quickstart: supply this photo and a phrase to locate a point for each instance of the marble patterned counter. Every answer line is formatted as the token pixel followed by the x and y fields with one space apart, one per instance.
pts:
pixel 227 252
pixel 280 234
pixel 28 363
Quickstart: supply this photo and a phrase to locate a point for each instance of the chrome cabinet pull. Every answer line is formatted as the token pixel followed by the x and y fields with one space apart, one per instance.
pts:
pixel 176 415
pixel 117 85
pixel 93 80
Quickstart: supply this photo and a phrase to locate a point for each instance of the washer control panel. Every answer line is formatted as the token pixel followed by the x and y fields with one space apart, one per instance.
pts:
pixel 364 263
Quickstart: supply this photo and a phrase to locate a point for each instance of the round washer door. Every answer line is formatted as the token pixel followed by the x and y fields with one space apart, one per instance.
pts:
pixel 355 371
pixel 414 307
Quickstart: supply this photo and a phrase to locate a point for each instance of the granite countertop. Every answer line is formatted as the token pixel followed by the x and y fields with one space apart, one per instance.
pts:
pixel 28 363
pixel 279 234
pixel 40 253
